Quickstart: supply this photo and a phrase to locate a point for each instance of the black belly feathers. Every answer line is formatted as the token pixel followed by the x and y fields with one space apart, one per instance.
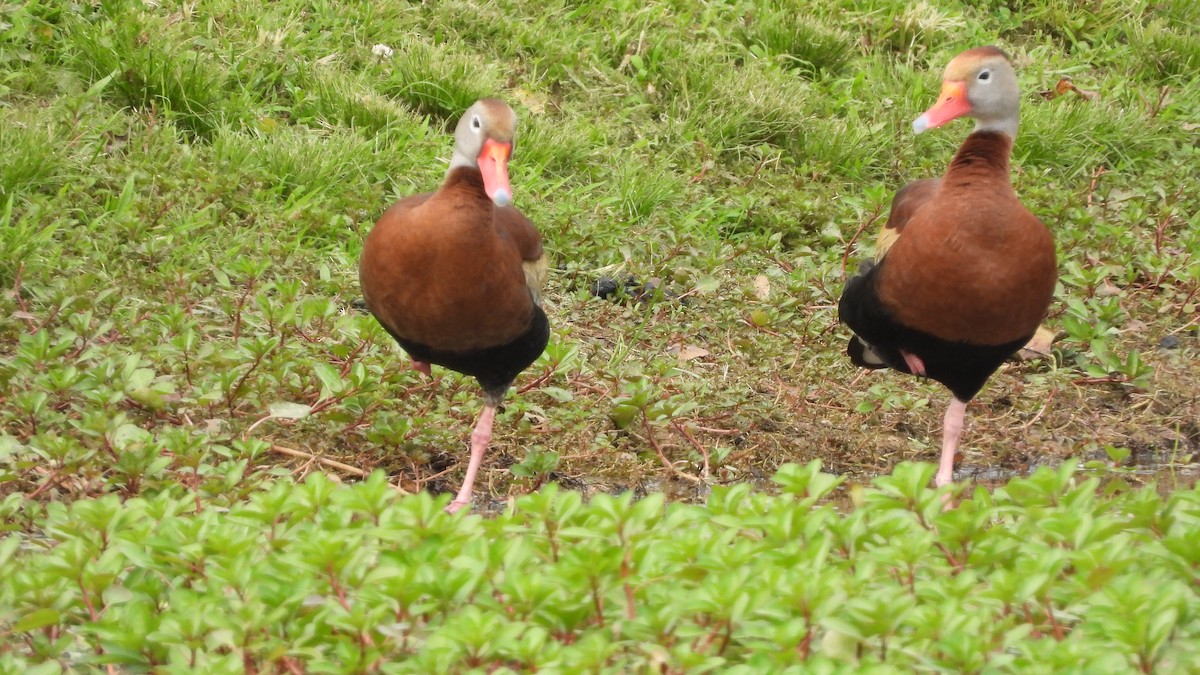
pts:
pixel 962 367
pixel 495 367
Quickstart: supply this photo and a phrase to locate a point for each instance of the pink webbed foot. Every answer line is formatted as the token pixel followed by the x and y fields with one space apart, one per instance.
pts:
pixel 915 365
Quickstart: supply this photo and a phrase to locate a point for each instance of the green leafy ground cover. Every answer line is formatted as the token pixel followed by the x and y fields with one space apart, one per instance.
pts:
pixel 1043 576
pixel 184 188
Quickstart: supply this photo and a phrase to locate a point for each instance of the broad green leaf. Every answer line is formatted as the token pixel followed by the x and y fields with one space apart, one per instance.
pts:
pixel 37 619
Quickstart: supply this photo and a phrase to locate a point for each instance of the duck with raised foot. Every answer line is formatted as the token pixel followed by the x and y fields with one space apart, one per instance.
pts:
pixel 969 272
pixel 455 275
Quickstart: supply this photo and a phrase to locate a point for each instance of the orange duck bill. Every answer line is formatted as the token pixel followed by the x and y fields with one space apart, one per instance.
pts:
pixel 493 164
pixel 951 104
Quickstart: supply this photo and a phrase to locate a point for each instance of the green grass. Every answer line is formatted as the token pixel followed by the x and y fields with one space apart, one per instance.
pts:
pixel 183 198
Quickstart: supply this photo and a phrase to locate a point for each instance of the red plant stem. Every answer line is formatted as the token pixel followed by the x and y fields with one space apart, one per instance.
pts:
pixel 661 455
pixel 1110 379
pixel 364 638
pixel 598 602
pixel 537 381
pixel 45 322
pixel 1162 98
pixel 726 637
pixel 1096 174
pixel 325 403
pixel 805 646
pixel 196 487
pixel 695 444
pixel 630 609
pixel 351 358
pixel 709 638
pixel 1029 620
pixel 861 228
pixel 1188 299
pixel 241 305
pixel 1160 232
pixel 16 289
pixel 51 480
pixel 746 183
pixel 1058 631
pixel 958 566
pixel 551 530
pixel 338 591
pixel 87 602
pixel 232 393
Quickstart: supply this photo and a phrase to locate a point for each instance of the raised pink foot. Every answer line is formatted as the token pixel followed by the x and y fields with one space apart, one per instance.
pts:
pixel 915 365
pixel 422 367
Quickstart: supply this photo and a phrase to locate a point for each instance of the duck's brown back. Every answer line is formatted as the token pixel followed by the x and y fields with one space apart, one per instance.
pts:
pixel 907 201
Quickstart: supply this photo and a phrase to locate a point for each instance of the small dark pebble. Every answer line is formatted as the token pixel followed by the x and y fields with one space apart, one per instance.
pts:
pixel 604 287
pixel 359 304
pixel 1169 342
pixel 608 288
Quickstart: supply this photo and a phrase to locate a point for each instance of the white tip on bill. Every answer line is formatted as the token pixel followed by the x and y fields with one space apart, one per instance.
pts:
pixel 920 124
pixel 502 198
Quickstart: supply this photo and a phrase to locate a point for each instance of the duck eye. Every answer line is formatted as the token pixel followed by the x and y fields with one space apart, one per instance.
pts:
pixel 476 123
pixel 985 75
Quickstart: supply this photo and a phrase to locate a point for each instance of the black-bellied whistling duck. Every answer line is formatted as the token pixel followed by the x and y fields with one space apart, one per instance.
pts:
pixel 455 275
pixel 970 271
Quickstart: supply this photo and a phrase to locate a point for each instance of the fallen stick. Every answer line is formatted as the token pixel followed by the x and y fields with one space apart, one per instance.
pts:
pixel 325 461
pixel 333 463
pixel 342 466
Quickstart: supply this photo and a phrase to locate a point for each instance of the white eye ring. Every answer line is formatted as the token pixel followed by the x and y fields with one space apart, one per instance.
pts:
pixel 476 123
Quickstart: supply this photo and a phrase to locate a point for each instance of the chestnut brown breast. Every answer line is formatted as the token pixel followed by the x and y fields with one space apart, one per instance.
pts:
pixel 445 269
pixel 974 265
